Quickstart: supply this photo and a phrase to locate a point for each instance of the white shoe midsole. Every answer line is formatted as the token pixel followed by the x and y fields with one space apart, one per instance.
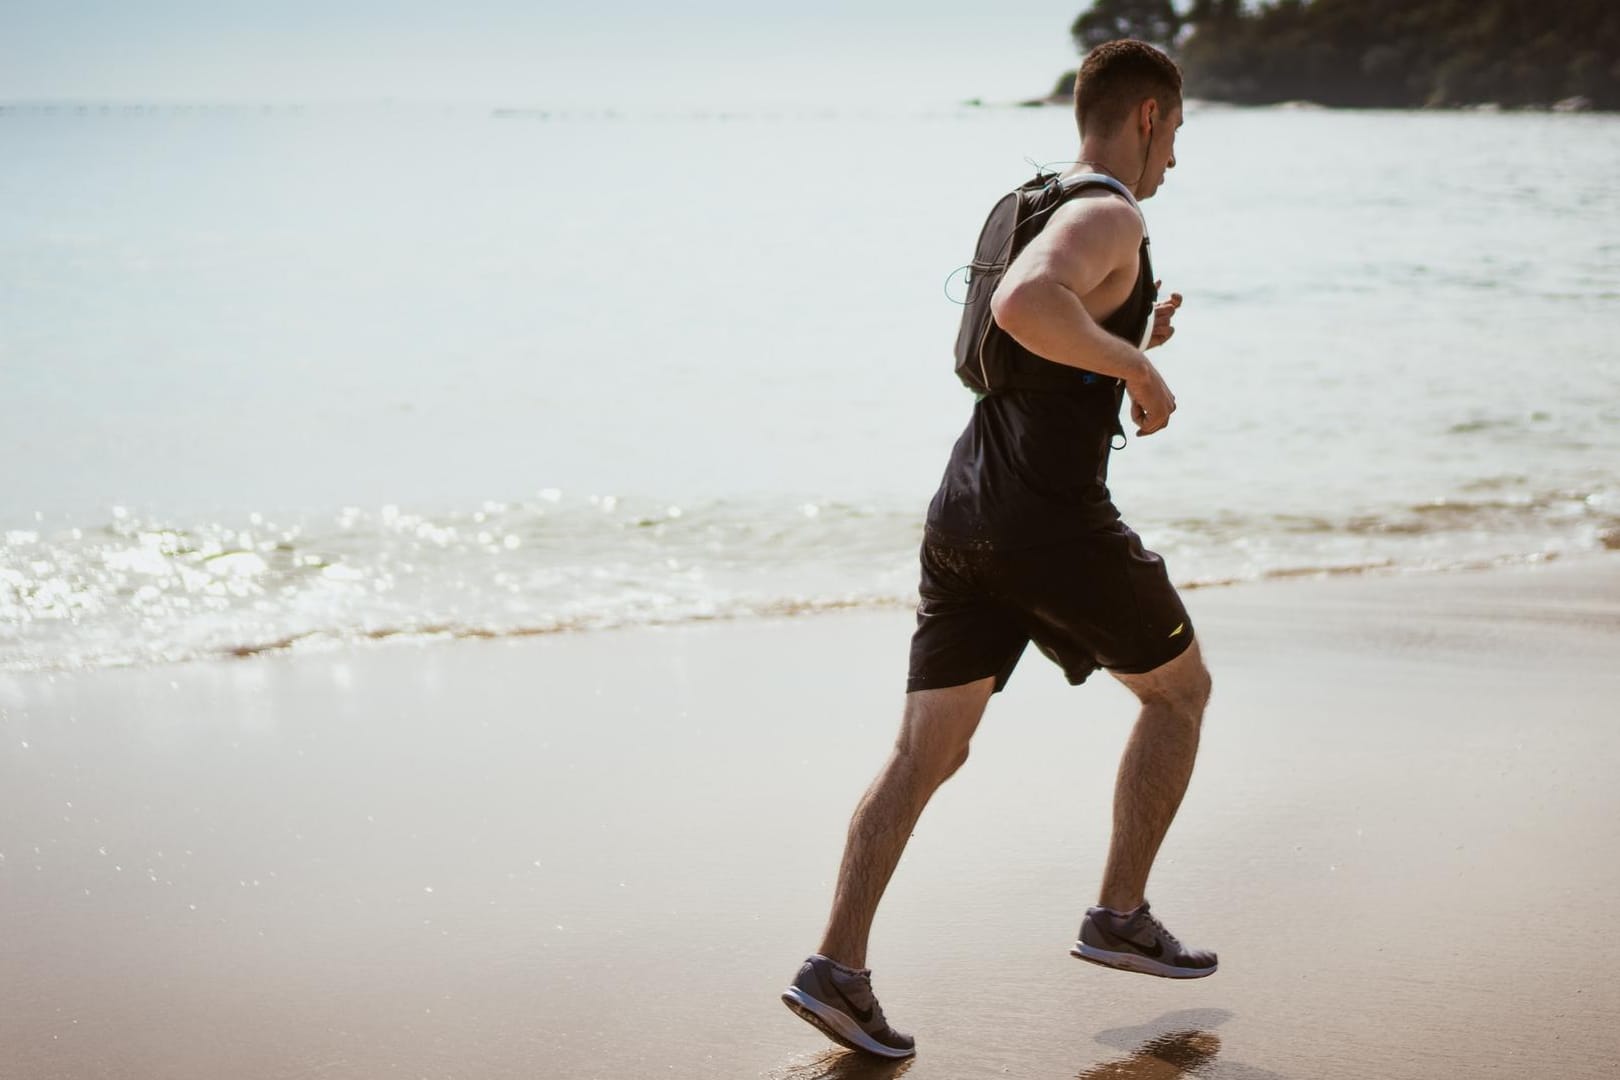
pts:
pixel 1132 962
pixel 842 1024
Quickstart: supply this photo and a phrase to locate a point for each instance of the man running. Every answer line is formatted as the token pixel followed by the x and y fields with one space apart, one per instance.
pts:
pixel 1023 543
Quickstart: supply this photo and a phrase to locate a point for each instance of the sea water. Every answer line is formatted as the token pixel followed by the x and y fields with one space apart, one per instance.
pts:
pixel 297 377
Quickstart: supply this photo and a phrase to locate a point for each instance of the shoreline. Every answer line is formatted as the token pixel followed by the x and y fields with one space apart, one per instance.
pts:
pixel 1568 107
pixel 322 643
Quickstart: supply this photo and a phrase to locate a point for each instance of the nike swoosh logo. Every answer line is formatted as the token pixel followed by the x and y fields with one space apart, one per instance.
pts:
pixel 863 1015
pixel 1152 952
pixel 1179 628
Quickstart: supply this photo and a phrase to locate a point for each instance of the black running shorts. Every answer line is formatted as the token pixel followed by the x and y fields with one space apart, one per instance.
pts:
pixel 1100 600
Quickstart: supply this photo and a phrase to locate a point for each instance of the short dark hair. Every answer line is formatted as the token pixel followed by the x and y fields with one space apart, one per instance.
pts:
pixel 1116 77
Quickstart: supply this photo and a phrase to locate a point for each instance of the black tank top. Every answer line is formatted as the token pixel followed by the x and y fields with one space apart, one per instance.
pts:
pixel 1032 465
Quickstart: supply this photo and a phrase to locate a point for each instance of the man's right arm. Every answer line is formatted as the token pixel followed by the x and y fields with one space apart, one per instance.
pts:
pixel 1039 302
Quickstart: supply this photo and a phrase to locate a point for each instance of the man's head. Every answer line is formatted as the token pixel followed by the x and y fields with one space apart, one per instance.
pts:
pixel 1127 96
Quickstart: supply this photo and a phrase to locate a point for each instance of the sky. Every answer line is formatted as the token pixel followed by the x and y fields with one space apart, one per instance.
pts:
pixel 620 53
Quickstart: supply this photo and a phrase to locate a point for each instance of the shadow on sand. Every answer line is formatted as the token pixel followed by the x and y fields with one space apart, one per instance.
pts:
pixel 1177 1044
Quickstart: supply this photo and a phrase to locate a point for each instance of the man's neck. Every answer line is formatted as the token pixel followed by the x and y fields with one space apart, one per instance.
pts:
pixel 1110 160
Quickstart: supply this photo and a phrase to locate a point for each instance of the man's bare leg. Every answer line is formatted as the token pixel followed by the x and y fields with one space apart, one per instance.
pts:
pixel 1153 772
pixel 933 744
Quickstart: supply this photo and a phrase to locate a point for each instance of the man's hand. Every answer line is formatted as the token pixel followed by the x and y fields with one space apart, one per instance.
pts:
pixel 1163 312
pixel 1151 400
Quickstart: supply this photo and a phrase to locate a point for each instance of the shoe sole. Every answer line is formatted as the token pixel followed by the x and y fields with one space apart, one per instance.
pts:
pixel 836 1026
pixel 1142 965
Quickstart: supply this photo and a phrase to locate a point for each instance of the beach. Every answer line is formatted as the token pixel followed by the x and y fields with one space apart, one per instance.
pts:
pixel 604 854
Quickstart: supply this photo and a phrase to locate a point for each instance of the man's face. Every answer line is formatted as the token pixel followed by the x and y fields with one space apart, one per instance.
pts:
pixel 1161 155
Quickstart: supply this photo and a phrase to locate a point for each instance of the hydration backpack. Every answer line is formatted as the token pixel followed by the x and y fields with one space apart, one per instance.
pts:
pixel 987 357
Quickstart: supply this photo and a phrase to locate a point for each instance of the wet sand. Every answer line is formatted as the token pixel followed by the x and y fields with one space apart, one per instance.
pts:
pixel 603 855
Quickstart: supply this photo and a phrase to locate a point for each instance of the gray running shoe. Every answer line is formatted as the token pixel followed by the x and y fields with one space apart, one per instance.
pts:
pixel 842 1006
pixel 1139 942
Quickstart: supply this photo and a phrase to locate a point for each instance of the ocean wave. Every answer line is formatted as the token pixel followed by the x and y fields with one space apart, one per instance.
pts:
pixel 137 590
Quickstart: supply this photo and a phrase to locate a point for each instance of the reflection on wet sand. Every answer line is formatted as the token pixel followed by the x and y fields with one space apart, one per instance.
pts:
pixel 1181 1053
pixel 841 1065
pixel 1177 1044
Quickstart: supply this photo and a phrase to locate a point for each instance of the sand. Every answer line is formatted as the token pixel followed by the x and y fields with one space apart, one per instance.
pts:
pixel 603 855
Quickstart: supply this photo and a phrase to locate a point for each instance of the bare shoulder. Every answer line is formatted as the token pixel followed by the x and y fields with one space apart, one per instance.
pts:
pixel 1092 237
pixel 1100 218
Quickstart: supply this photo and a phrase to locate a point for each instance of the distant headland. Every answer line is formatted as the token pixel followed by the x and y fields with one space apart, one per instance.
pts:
pixel 1514 54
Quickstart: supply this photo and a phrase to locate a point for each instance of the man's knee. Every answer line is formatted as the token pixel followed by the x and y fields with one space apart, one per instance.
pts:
pixel 1188 693
pixel 1182 686
pixel 1200 686
pixel 937 728
pixel 936 756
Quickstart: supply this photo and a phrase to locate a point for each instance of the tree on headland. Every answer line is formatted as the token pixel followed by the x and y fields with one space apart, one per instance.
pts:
pixel 1380 53
pixel 1153 21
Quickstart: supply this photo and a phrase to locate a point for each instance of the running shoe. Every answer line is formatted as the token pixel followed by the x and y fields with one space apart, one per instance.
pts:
pixel 839 1001
pixel 1138 941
